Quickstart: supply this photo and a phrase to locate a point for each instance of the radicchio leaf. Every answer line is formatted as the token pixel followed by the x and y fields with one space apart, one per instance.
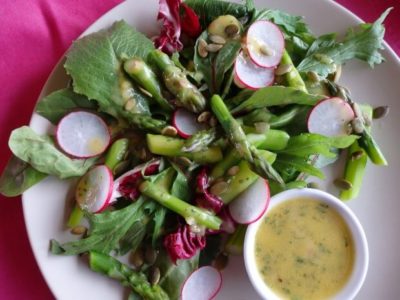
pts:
pixel 168 40
pixel 190 22
pixel 183 244
pixel 204 198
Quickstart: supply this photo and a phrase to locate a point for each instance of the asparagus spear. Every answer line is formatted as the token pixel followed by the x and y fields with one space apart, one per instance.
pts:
pixel 293 77
pixel 238 138
pixel 147 123
pixel 116 153
pixel 176 82
pixel 354 171
pixel 200 140
pixel 142 74
pixel 169 146
pixel 109 266
pixel 191 213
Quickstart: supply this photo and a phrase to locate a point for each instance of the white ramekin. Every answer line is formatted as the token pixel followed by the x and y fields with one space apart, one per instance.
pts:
pixel 361 258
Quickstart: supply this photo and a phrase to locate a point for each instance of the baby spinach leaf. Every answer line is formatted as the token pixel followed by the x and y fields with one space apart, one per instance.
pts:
pixel 56 105
pixel 276 95
pixel 42 154
pixel 94 63
pixel 18 176
pixel 298 163
pixel 362 42
pixel 173 276
pixel 307 144
pixel 208 10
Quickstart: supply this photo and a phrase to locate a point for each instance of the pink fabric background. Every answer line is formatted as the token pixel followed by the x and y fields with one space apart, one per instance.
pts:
pixel 34 35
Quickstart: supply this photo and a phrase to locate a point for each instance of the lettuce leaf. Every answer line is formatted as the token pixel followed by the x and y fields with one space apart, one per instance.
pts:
pixel 363 42
pixel 43 155
pixel 94 63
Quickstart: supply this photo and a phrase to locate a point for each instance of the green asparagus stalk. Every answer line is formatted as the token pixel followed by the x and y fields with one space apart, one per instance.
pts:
pixel 293 77
pixel 192 214
pixel 200 141
pixel 239 183
pixel 116 153
pixel 354 171
pixel 142 74
pixel 169 146
pixel 238 138
pixel 234 245
pixel 75 217
pixel 177 83
pixel 137 281
pixel 272 139
pixel 147 123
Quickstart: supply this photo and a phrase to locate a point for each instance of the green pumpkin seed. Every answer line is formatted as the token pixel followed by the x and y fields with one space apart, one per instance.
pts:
pixel 221 261
pixel 154 275
pixel 232 30
pixel 313 185
pixel 136 258
pixel 213 47
pixel 219 188
pixel 150 255
pixel 169 131
pixel 217 39
pixel 79 230
pixel 343 184
pixel 232 171
pixel 380 112
pixel 202 48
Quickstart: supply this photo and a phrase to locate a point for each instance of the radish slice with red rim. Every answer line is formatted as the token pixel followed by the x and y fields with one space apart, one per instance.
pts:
pixel 250 205
pixel 252 76
pixel 186 123
pixel 330 117
pixel 94 189
pixel 202 284
pixel 265 43
pixel 82 134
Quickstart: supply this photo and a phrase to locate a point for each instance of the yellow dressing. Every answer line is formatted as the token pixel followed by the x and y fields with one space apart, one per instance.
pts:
pixel 304 250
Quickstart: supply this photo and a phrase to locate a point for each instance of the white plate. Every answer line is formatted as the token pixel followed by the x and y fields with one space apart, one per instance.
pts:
pixel 377 207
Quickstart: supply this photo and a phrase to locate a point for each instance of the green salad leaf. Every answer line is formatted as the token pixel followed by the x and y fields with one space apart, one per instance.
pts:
pixel 363 42
pixel 42 154
pixel 18 176
pixel 298 163
pixel 56 105
pixel 276 95
pixel 307 144
pixel 94 63
pixel 208 10
pixel 108 229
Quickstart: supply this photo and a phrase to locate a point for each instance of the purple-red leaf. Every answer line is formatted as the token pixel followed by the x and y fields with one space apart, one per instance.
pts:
pixel 204 198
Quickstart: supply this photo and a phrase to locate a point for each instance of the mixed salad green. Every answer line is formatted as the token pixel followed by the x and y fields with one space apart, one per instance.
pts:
pixel 177 129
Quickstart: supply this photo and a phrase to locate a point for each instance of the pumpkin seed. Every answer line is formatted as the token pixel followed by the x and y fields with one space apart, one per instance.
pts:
pixel 121 167
pixel 169 131
pixel 357 125
pixel 130 104
pixel 219 188
pixel 154 275
pixel 213 47
pixel 313 76
pixel 261 127
pixel 202 48
pixel 283 69
pixel 338 73
pixel 78 230
pixel 221 261
pixel 357 154
pixel 204 117
pixel 343 184
pixel 232 171
pixel 232 30
pixel 313 185
pixel 146 92
pixel 150 255
pixel 213 121
pixel 184 161
pixel 265 50
pixel 136 258
pixel 217 39
pixel 380 112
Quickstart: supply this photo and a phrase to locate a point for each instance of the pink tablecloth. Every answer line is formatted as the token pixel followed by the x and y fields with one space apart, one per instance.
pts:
pixel 33 36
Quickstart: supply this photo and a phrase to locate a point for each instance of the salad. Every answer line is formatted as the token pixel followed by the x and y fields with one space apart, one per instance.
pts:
pixel 176 143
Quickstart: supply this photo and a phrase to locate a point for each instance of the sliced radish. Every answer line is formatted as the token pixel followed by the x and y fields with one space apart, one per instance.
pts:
pixel 186 123
pixel 250 205
pixel 330 117
pixel 82 134
pixel 265 43
pixel 252 76
pixel 94 189
pixel 237 81
pixel 202 284
pixel 136 174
